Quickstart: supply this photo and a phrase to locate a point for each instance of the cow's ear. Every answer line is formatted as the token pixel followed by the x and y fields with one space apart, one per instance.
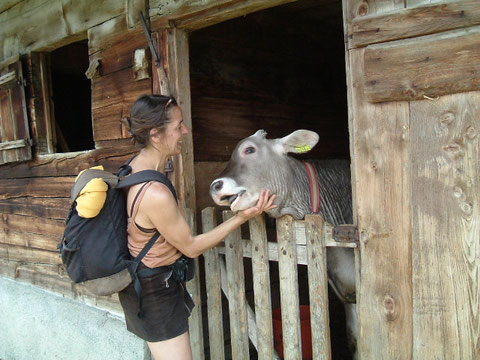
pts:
pixel 300 141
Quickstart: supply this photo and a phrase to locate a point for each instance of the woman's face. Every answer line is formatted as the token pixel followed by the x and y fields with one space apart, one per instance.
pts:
pixel 174 132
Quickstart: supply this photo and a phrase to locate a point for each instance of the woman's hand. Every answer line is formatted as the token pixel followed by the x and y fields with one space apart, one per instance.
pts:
pixel 265 203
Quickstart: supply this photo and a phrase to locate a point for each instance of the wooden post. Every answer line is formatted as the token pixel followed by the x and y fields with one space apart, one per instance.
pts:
pixel 193 287
pixel 261 288
pixel 214 291
pixel 288 272
pixel 236 289
pixel 318 286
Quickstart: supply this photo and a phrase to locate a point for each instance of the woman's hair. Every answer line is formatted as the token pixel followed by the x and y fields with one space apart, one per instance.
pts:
pixel 149 112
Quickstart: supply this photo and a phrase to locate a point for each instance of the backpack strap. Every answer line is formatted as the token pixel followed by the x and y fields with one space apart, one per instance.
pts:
pixel 146 176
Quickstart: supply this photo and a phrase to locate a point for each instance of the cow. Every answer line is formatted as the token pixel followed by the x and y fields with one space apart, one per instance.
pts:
pixel 259 163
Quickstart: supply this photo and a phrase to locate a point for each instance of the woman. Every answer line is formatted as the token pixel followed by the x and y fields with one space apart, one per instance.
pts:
pixel 157 127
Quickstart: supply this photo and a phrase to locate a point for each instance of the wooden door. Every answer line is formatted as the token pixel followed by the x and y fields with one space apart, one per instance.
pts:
pixel 413 74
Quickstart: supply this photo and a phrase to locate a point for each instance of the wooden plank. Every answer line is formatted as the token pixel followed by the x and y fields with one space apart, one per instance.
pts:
pixel 416 21
pixel 412 3
pixel 107 122
pixel 27 239
pixel 54 278
pixel 237 301
pixel 179 77
pixel 54 23
pixel 118 87
pixel 214 290
pixel 70 164
pixel 318 287
pixel 54 208
pixel 423 67
pixel 195 323
pixel 36 187
pixel 30 255
pixel 359 8
pixel 120 55
pixel 382 176
pixel 272 251
pixel 446 225
pixel 30 224
pixel 196 15
pixel 261 288
pixel 289 297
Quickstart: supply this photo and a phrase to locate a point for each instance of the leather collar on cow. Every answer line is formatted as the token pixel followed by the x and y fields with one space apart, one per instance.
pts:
pixel 314 189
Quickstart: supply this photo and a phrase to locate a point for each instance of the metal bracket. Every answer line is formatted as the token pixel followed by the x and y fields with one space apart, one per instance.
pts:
pixel 346 233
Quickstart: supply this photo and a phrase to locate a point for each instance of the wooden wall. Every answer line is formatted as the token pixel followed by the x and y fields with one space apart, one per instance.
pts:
pixel 415 161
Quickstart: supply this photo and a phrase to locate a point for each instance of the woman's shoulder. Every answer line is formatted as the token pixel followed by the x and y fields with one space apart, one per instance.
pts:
pixel 159 192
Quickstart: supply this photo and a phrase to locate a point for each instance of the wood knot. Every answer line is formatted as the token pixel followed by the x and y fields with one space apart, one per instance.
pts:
pixel 467 208
pixel 411 93
pixel 389 308
pixel 471 133
pixel 363 9
pixel 447 118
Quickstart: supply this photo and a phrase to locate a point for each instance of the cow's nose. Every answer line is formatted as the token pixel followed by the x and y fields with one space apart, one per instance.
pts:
pixel 217 185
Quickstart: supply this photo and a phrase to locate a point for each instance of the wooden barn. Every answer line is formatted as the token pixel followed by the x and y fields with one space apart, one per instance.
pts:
pixel 392 85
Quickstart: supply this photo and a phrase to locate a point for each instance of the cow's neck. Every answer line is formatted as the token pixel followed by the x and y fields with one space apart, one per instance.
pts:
pixel 295 197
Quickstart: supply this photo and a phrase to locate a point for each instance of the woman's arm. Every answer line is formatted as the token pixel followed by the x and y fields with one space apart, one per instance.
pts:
pixel 164 214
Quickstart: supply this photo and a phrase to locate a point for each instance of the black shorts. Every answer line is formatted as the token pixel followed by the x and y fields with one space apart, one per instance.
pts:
pixel 163 303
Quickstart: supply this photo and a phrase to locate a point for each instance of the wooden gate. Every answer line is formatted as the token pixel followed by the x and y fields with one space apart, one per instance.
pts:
pixel 298 242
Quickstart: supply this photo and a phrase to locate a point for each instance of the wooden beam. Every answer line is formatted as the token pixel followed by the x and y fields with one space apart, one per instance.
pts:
pixel 179 77
pixel 412 22
pixel 196 15
pixel 424 67
pixel 446 218
pixel 382 157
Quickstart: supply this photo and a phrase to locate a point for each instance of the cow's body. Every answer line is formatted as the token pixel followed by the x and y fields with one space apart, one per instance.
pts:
pixel 258 163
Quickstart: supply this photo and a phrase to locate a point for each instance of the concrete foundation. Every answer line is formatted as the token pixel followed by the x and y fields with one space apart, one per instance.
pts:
pixel 36 324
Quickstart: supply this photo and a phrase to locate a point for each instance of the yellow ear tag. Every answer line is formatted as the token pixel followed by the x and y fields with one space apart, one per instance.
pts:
pixel 303 149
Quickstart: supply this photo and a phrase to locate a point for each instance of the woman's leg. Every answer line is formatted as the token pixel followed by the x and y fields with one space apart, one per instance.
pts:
pixel 177 348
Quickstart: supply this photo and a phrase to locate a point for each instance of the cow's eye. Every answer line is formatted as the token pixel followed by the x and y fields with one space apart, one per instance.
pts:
pixel 249 150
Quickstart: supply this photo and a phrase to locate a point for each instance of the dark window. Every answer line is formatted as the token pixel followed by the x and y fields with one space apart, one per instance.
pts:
pixel 71 94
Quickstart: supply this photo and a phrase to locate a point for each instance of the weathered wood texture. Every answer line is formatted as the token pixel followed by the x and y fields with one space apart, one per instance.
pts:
pixel 195 322
pixel 213 285
pixel 430 66
pixel 288 273
pixel 194 15
pixel 14 129
pixel 446 221
pixel 382 174
pixel 237 303
pixel 261 286
pixel 176 50
pixel 51 23
pixel 115 89
pixel 427 19
pixel 252 73
pixel 318 286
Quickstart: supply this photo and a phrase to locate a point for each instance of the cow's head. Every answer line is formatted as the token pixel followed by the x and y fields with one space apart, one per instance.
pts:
pixel 259 163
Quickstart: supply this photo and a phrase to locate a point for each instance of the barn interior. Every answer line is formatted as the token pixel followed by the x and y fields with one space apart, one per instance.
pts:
pixel 71 97
pixel 279 69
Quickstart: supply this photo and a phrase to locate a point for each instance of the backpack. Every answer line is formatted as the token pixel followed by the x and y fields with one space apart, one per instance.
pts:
pixel 94 250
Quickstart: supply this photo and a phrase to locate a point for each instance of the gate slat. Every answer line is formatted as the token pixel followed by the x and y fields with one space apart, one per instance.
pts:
pixel 236 289
pixel 289 298
pixel 214 291
pixel 193 287
pixel 261 288
pixel 318 288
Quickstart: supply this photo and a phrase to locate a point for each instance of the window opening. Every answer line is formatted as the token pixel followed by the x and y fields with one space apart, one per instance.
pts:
pixel 71 95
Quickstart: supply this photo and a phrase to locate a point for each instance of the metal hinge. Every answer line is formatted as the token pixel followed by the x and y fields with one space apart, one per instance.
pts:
pixel 346 233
